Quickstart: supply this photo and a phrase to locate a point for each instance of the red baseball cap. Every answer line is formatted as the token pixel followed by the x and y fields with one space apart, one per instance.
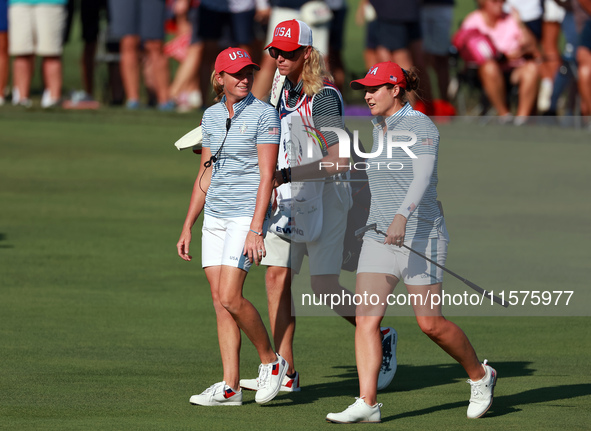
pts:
pixel 387 72
pixel 232 60
pixel 290 35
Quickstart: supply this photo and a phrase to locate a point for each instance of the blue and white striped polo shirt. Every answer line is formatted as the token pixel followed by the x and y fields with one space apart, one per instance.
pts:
pixel 235 177
pixel 389 186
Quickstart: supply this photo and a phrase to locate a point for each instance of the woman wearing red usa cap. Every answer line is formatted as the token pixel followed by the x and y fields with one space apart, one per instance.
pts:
pixel 405 209
pixel 233 189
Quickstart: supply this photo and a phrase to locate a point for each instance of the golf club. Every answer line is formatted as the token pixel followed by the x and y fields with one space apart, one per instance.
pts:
pixel 359 232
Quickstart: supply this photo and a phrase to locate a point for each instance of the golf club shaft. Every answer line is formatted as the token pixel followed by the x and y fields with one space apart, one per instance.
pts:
pixel 462 279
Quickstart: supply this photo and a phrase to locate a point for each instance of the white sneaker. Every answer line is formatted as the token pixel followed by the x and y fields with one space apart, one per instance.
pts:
pixel 358 412
pixel 545 94
pixel 25 103
pixel 47 101
pixel 270 378
pixel 287 385
pixel 250 384
pixel 506 119
pixel 482 392
pixel 291 385
pixel 16 96
pixel 194 99
pixel 46 98
pixel 218 394
pixel 17 100
pixel 389 363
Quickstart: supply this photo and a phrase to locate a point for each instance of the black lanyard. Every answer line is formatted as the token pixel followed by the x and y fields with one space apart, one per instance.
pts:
pixel 214 158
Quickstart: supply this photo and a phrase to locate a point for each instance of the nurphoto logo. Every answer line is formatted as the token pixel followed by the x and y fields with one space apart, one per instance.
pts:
pixel 391 141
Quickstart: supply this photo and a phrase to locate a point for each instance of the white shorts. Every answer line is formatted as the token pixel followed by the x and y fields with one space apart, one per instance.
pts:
pixel 40 29
pixel 403 264
pixel 223 242
pixel 278 251
pixel 320 33
pixel 553 12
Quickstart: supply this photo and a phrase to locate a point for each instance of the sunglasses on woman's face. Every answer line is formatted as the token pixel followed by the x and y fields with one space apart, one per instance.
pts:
pixel 288 55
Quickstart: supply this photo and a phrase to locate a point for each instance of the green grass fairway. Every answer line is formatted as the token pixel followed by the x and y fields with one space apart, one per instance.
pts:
pixel 103 327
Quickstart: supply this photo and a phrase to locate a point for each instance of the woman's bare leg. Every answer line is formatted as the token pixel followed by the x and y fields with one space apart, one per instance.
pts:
pixel 493 82
pixel 228 331
pixel 22 74
pixel 368 340
pixel 246 316
pixel 446 334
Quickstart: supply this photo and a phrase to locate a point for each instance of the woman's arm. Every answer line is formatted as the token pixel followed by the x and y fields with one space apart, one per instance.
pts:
pixel 331 164
pixel 422 167
pixel 196 205
pixel 527 40
pixel 360 13
pixel 267 155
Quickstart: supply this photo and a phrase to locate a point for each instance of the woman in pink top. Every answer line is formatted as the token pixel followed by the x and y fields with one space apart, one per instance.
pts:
pixel 510 39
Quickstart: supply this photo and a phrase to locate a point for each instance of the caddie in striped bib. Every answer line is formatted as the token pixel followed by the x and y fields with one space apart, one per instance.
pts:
pixel 312 200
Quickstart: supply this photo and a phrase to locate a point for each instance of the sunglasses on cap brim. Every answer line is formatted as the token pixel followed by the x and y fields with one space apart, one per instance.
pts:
pixel 288 55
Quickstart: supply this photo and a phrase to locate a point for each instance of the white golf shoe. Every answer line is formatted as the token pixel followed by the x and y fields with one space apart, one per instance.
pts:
pixel 291 384
pixel 482 392
pixel 287 385
pixel 389 363
pixel 358 412
pixel 270 379
pixel 218 394
pixel 250 384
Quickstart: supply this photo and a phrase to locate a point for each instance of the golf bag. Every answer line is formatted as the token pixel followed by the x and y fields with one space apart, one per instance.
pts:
pixel 358 214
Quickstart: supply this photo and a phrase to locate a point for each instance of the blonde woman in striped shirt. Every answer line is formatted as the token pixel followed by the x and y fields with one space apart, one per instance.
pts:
pixel 233 188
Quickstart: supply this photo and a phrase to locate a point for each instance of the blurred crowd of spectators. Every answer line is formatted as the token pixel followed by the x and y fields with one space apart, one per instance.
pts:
pixel 539 48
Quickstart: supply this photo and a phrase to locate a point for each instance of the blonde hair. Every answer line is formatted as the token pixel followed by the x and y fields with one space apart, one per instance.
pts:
pixel 315 73
pixel 217 87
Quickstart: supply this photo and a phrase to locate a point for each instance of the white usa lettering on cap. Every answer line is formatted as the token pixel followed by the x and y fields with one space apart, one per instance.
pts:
pixel 238 54
pixel 280 31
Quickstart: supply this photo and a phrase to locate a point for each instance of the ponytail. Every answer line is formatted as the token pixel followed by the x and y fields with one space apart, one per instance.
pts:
pixel 412 84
